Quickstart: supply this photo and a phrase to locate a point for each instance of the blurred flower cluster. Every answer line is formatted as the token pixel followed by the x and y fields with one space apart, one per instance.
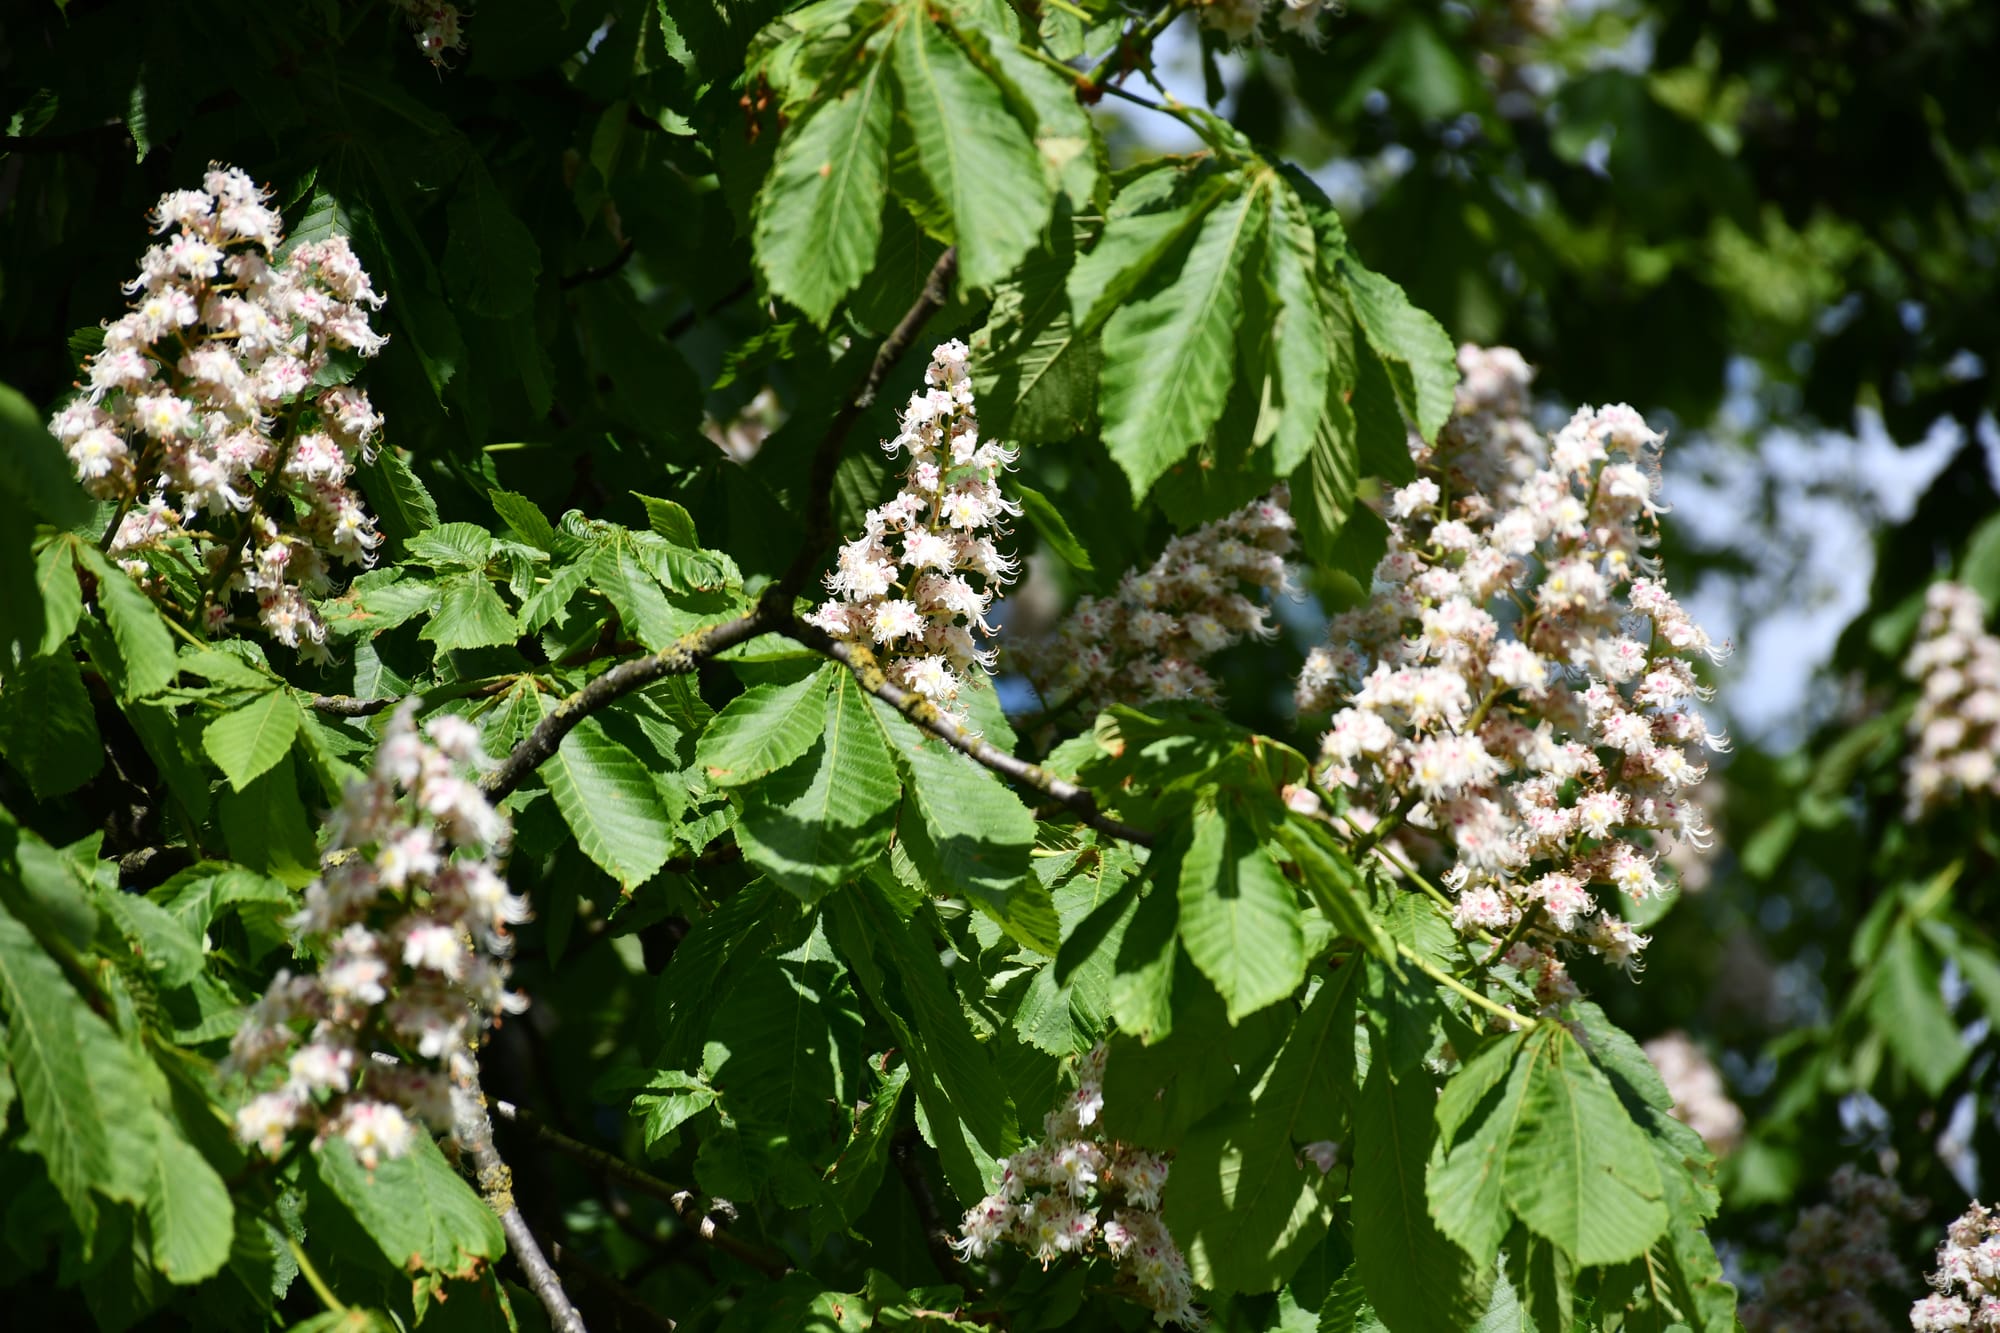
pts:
pixel 212 417
pixel 917 583
pixel 1076 1193
pixel 438 28
pixel 1701 1102
pixel 1956 725
pixel 1836 1254
pixel 1518 688
pixel 409 918
pixel 1243 20
pixel 1966 1284
pixel 1148 640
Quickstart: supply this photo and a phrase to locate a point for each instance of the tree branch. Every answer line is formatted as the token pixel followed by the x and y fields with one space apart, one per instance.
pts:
pixel 682 1201
pixel 826 459
pixel 474 1128
pixel 924 714
pixel 678 659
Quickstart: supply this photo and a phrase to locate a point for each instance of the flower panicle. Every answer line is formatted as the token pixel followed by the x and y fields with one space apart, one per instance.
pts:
pixel 1965 1286
pixel 1075 1192
pixel 1150 639
pixel 212 387
pixel 1522 683
pixel 1955 727
pixel 410 917
pixel 919 580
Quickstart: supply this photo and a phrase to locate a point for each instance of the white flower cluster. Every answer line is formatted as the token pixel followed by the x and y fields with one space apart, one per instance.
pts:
pixel 1519 684
pixel 1241 20
pixel 206 388
pixel 1148 640
pixel 1835 1256
pixel 410 917
pixel 1967 1280
pixel 439 28
pixel 1075 1193
pixel 918 582
pixel 1956 725
pixel 1701 1102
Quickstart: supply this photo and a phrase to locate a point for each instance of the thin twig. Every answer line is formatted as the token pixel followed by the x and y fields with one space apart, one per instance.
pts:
pixel 496 1185
pixel 681 1200
pixel 923 713
pixel 677 659
pixel 600 271
pixel 627 1300
pixel 689 319
pixel 819 532
pixel 1444 978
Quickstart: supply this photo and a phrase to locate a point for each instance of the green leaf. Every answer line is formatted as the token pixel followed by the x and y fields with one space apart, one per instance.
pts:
pixel 1170 352
pixel 1416 1278
pixel 32 464
pixel 48 729
pixel 1906 1001
pixel 62 595
pixel 248 739
pixel 857 1173
pixel 668 1100
pixel 1239 915
pixel 265 827
pixel 821 819
pixel 491 261
pixel 977 158
pixel 1053 527
pixel 1149 218
pixel 145 650
pixel 819 217
pixel 1301 366
pixel 396 496
pixel 608 799
pixel 1335 884
pixel 165 946
pixel 188 1212
pixel 417 1209
pixel 670 519
pixel 1466 1188
pixel 960 1092
pixel 643 610
pixel 79 1084
pixel 763 729
pixel 1578 1171
pixel 1245 1205
pixel 452 546
pixel 1422 364
pixel 971 835
pixel 1035 376
pixel 523 519
pixel 470 614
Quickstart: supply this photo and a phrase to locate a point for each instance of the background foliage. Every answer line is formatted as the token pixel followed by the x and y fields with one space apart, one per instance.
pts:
pixel 831 981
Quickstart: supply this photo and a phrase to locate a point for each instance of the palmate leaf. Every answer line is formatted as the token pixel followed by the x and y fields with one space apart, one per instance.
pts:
pixel 980 164
pixel 1034 372
pixel 144 650
pixel 819 216
pixel 1239 915
pixel 81 1092
pixel 416 1208
pixel 48 730
pixel 188 1212
pixel 821 819
pixel 763 729
pixel 1170 352
pixel 1417 1279
pixel 248 739
pixel 609 801
pixel 971 835
pixel 470 614
pixel 1422 364
pixel 1301 370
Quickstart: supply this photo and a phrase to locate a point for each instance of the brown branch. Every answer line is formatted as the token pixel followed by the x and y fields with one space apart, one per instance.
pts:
pixel 682 1201
pixel 474 1128
pixel 678 659
pixel 826 459
pixel 690 318
pixel 346 705
pixel 923 713
pixel 600 271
